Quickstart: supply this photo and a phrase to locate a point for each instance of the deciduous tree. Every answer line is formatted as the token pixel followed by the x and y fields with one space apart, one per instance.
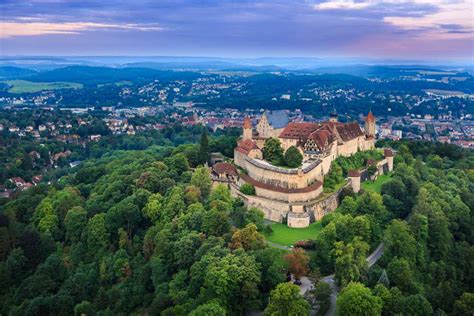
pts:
pixel 287 300
pixel 297 262
pixel 355 299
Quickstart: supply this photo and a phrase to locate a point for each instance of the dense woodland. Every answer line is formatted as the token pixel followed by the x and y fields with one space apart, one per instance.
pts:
pixel 143 231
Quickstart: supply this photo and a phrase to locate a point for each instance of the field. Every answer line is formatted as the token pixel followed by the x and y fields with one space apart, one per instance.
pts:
pixel 286 236
pixel 376 186
pixel 23 86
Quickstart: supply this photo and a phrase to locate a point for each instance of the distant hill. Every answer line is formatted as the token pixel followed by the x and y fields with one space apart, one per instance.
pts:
pixel 97 75
pixel 379 71
pixel 204 65
pixel 10 72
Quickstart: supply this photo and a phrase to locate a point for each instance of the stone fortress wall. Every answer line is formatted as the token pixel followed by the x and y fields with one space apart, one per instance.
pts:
pixel 298 178
pixel 278 206
pixel 279 211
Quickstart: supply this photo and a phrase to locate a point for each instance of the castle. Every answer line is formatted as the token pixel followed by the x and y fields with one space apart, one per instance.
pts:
pixel 292 193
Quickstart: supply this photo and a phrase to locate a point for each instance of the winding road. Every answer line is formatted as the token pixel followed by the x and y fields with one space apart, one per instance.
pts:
pixel 307 285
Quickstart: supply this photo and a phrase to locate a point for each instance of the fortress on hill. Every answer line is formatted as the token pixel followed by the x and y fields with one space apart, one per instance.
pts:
pixel 292 193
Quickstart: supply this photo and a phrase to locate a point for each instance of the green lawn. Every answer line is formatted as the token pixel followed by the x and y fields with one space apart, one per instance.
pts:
pixel 376 186
pixel 286 236
pixel 24 86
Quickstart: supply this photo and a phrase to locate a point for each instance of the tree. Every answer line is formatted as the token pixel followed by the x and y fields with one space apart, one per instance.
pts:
pixel 66 199
pixel 75 222
pixel 371 171
pixel 272 151
pixel 204 147
pixel 416 305
pixel 84 308
pixel 153 207
pixel 400 274
pixel 351 261
pixel 215 222
pixel 287 300
pixel 192 194
pixel 392 299
pixel 177 163
pixel 322 293
pixel 348 205
pixel 48 218
pixel 173 204
pixel 233 280
pixel 297 261
pixel 211 309
pixel 97 234
pixel 356 299
pixel 247 189
pixel 255 216
pixel 247 238
pixel 272 267
pixel 399 241
pixel 201 179
pixel 464 305
pixel 293 157
pixel 371 203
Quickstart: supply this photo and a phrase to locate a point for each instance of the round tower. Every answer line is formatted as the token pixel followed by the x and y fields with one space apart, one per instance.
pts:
pixel 247 134
pixel 370 124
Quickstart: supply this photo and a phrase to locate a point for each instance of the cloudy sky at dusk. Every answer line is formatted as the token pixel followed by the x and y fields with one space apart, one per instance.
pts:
pixel 412 29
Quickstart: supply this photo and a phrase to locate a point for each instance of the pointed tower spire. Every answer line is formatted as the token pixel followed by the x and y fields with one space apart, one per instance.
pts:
pixel 370 124
pixel 247 126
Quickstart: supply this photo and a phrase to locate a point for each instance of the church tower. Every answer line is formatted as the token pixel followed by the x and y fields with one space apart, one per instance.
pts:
pixel 333 116
pixel 247 129
pixel 370 124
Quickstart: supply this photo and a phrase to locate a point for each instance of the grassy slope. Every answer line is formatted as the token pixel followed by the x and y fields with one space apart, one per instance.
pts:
pixel 23 86
pixel 286 236
pixel 376 186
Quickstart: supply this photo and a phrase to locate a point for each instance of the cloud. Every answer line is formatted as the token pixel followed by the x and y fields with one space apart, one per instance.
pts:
pixel 423 15
pixel 14 28
pixel 341 5
pixel 395 28
pixel 449 13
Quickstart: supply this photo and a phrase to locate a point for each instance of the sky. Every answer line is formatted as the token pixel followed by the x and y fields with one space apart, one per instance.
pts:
pixel 387 29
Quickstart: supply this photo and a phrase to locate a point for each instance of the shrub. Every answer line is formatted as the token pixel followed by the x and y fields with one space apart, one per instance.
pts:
pixel 293 157
pixel 247 189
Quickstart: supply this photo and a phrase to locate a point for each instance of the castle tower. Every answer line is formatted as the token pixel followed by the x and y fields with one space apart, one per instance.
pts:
pixel 247 134
pixel 354 176
pixel 333 116
pixel 388 153
pixel 370 124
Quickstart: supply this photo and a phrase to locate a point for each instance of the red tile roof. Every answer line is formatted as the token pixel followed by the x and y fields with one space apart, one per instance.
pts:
pixel 299 130
pixel 349 131
pixel 224 167
pixel 322 138
pixel 246 146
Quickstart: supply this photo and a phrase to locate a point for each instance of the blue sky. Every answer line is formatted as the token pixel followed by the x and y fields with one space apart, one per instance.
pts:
pixel 411 29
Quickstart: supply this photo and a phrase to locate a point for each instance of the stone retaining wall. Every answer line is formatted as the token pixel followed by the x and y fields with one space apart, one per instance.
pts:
pixel 278 211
